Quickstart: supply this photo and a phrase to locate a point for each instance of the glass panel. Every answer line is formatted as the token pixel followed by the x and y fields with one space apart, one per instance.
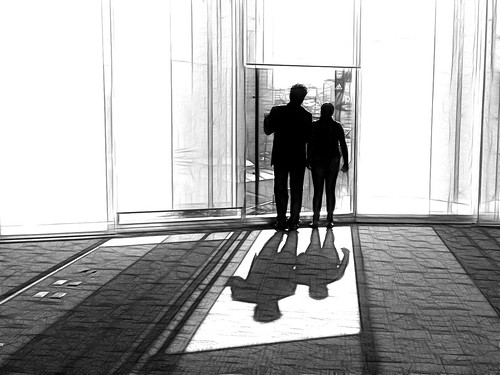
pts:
pixel 396 107
pixel 52 133
pixel 202 105
pixel 291 32
pixel 489 209
pixel 175 116
pixel 141 104
pixel 190 107
pixel 457 107
pixel 269 87
pixel 421 107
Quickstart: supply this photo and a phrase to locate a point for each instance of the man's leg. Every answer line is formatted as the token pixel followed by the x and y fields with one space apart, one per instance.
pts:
pixel 330 182
pixel 281 193
pixel 288 252
pixel 296 187
pixel 270 248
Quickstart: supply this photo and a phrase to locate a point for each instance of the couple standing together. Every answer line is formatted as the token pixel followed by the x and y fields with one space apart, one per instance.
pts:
pixel 293 129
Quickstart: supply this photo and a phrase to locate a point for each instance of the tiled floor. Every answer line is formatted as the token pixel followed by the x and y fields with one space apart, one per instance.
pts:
pixel 412 300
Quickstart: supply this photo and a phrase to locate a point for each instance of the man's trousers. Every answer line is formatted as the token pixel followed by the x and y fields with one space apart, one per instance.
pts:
pixel 281 175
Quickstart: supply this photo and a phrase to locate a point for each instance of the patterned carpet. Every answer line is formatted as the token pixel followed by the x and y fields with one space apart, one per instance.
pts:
pixel 411 300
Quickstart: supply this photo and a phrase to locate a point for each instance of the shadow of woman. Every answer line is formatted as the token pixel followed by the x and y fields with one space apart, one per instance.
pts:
pixel 320 265
pixel 270 279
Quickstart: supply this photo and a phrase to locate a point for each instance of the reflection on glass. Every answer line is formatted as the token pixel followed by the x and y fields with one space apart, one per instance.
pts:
pixel 270 87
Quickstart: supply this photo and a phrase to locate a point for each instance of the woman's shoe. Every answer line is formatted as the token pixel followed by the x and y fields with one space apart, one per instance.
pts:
pixel 314 224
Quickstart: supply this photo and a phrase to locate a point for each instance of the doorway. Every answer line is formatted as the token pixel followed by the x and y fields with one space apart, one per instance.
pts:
pixel 268 86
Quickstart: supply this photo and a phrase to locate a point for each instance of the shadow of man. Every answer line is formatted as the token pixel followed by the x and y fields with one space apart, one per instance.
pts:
pixel 270 279
pixel 319 266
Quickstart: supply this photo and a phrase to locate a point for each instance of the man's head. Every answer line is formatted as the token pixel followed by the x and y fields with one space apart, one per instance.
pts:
pixel 318 291
pixel 327 110
pixel 297 94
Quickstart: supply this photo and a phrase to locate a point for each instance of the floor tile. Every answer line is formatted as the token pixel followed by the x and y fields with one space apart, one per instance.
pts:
pixel 127 241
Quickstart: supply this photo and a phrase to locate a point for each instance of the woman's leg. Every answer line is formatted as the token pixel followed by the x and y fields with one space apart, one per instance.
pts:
pixel 318 177
pixel 332 170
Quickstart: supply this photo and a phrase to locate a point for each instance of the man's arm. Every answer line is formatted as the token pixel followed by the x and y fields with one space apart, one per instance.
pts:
pixel 309 140
pixel 310 147
pixel 270 122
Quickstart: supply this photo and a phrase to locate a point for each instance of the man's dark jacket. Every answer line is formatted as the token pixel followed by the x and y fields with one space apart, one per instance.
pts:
pixel 291 125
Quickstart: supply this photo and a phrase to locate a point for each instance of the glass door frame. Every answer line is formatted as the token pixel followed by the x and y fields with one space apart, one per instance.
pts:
pixel 258 129
pixel 356 71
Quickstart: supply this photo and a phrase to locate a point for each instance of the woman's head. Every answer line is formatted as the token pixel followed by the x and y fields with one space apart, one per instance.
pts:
pixel 318 291
pixel 266 311
pixel 327 110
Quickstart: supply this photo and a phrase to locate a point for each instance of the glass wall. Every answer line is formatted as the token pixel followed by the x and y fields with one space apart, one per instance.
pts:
pixel 421 105
pixel 141 104
pixel 489 208
pixel 422 146
pixel 176 72
pixel 396 107
pixel 52 122
pixel 118 112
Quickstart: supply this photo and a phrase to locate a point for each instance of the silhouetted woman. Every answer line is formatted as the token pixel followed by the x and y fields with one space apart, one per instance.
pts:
pixel 320 266
pixel 323 157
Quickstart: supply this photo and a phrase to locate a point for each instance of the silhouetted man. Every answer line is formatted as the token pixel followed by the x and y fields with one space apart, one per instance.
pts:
pixel 291 125
pixel 271 278
pixel 319 266
pixel 323 157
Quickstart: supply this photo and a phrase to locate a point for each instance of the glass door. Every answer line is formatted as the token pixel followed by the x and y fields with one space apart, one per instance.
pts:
pixel 269 86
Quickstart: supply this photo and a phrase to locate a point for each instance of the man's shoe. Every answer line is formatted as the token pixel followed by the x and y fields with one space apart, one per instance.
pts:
pixel 293 226
pixel 329 224
pixel 314 223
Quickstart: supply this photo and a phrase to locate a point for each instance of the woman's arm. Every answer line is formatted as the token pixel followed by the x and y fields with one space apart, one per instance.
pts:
pixel 343 148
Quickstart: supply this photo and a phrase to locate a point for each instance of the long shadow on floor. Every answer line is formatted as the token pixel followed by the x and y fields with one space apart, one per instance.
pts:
pixel 111 325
